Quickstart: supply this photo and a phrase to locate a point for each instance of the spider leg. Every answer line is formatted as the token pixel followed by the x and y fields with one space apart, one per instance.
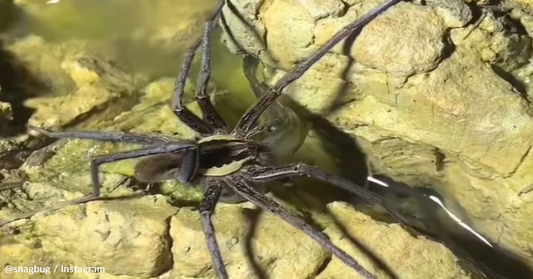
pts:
pixel 189 166
pixel 209 112
pixel 240 185
pixel 99 160
pixel 248 119
pixel 207 207
pixel 249 66
pixel 269 174
pixel 184 114
pixel 107 136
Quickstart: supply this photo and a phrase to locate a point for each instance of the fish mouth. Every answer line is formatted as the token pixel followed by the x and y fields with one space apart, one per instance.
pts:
pixel 288 131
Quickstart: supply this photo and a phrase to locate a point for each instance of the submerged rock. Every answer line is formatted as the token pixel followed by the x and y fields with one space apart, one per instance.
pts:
pixel 151 34
pixel 40 78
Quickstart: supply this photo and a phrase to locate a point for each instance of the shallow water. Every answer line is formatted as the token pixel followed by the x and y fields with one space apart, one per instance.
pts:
pixel 143 36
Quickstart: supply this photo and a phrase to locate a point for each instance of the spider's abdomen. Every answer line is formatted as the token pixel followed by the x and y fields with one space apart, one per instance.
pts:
pixel 223 156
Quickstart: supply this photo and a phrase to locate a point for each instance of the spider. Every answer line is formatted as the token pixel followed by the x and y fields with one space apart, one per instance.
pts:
pixel 227 164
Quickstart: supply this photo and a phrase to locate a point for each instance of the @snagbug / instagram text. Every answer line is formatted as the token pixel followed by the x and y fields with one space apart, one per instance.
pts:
pixel 9 269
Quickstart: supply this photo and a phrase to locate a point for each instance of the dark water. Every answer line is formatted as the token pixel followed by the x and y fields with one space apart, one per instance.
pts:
pixel 429 219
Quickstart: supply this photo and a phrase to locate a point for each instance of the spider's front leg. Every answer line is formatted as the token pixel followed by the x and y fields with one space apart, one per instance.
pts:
pixel 209 112
pixel 247 121
pixel 212 122
pixel 261 174
pixel 184 114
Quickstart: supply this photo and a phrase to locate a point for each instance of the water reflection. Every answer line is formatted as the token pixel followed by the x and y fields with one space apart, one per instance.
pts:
pixel 441 220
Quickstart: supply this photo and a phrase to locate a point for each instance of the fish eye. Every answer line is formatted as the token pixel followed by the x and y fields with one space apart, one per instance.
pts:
pixel 273 128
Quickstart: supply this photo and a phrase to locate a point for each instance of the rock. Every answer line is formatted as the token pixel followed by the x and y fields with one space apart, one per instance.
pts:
pixel 275 247
pixel 41 77
pixel 455 13
pixel 416 49
pixel 19 255
pixel 429 96
pixel 404 255
pixel 449 92
pixel 132 236
pixel 91 86
pixel 525 3
pixel 498 40
pixel 41 73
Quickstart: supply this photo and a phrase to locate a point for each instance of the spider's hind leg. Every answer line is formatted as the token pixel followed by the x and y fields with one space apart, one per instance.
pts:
pixel 105 136
pixel 240 185
pixel 270 174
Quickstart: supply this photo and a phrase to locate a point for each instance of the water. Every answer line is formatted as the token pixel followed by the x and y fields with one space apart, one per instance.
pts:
pixel 442 224
pixel 142 36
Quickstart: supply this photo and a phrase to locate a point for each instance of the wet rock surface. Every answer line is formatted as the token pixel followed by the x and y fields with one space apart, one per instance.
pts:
pixel 436 95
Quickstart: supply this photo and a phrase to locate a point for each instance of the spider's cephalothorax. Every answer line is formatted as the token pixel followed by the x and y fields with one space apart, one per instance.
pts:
pixel 228 161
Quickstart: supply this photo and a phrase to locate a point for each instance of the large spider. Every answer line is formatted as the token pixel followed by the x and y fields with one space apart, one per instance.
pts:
pixel 223 161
